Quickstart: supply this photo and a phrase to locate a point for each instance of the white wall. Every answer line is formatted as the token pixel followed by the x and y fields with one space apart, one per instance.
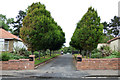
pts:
pixel 119 45
pixel 19 44
pixel 1 44
pixel 114 45
pixel 101 44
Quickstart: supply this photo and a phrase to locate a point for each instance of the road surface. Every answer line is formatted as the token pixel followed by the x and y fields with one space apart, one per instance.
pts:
pixel 61 67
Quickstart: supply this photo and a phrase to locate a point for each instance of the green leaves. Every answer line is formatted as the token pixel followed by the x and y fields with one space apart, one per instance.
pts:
pixel 5 23
pixel 88 31
pixel 40 31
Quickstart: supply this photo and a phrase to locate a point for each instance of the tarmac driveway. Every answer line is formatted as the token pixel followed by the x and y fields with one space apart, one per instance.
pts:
pixel 61 67
pixel 63 63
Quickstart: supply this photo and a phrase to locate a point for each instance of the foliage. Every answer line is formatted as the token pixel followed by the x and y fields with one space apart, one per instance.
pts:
pixel 4 56
pixel 16 56
pixel 96 55
pixel 40 31
pixel 22 51
pixel 69 49
pixel 5 23
pixel 88 32
pixel 112 27
pixel 114 24
pixel 105 27
pixel 106 38
pixel 105 51
pixel 115 53
pixel 95 51
pixel 36 53
pixel 18 23
pixel 37 61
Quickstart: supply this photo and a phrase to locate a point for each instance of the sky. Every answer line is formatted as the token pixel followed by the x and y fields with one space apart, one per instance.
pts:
pixel 65 12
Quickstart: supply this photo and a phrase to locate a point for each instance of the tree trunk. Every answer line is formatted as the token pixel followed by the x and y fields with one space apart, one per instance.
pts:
pixel 44 53
pixel 39 55
pixel 53 52
pixel 32 52
pixel 89 54
pixel 80 52
pixel 83 54
pixel 50 52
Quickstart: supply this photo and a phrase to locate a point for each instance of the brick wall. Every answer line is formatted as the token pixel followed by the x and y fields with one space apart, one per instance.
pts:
pixel 21 64
pixel 98 64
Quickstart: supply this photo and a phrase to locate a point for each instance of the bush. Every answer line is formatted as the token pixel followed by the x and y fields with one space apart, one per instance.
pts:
pixel 4 56
pixel 96 55
pixel 117 54
pixel 95 51
pixel 16 57
pixel 106 51
pixel 111 56
pixel 22 51
pixel 36 53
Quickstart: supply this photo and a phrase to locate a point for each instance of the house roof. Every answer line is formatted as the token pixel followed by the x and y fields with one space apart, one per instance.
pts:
pixel 113 39
pixel 6 35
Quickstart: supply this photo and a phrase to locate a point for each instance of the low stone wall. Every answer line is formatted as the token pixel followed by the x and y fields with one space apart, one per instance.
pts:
pixel 98 64
pixel 21 64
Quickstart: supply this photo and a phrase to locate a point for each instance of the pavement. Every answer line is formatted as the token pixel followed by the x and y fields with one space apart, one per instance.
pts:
pixel 61 67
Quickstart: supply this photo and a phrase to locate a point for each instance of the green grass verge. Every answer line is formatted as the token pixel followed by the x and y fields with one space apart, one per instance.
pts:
pixel 47 57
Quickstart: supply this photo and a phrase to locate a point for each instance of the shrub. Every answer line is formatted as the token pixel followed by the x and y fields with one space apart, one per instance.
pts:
pixel 95 51
pixel 111 56
pixel 4 56
pixel 22 51
pixel 96 55
pixel 27 53
pixel 117 54
pixel 36 53
pixel 106 51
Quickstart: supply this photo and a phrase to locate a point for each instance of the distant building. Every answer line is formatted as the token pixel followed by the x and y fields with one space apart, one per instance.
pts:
pixel 8 41
pixel 114 44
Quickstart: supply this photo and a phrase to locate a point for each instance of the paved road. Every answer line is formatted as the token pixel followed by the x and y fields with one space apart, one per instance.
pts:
pixel 63 63
pixel 61 67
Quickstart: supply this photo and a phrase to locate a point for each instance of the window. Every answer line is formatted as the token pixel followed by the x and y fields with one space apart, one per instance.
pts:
pixel 1 44
pixel 6 45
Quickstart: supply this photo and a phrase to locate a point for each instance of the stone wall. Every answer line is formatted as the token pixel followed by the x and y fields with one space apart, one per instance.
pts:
pixel 21 64
pixel 98 64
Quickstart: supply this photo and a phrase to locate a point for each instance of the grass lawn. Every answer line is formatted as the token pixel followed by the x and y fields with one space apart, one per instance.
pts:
pixel 42 59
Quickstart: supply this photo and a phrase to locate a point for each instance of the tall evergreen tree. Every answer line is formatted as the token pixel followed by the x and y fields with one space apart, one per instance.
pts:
pixel 105 27
pixel 114 25
pixel 40 31
pixel 88 32
pixel 18 23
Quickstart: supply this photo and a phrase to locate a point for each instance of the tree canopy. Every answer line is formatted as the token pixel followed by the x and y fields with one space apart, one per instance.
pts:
pixel 5 23
pixel 40 31
pixel 114 25
pixel 88 31
pixel 18 23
